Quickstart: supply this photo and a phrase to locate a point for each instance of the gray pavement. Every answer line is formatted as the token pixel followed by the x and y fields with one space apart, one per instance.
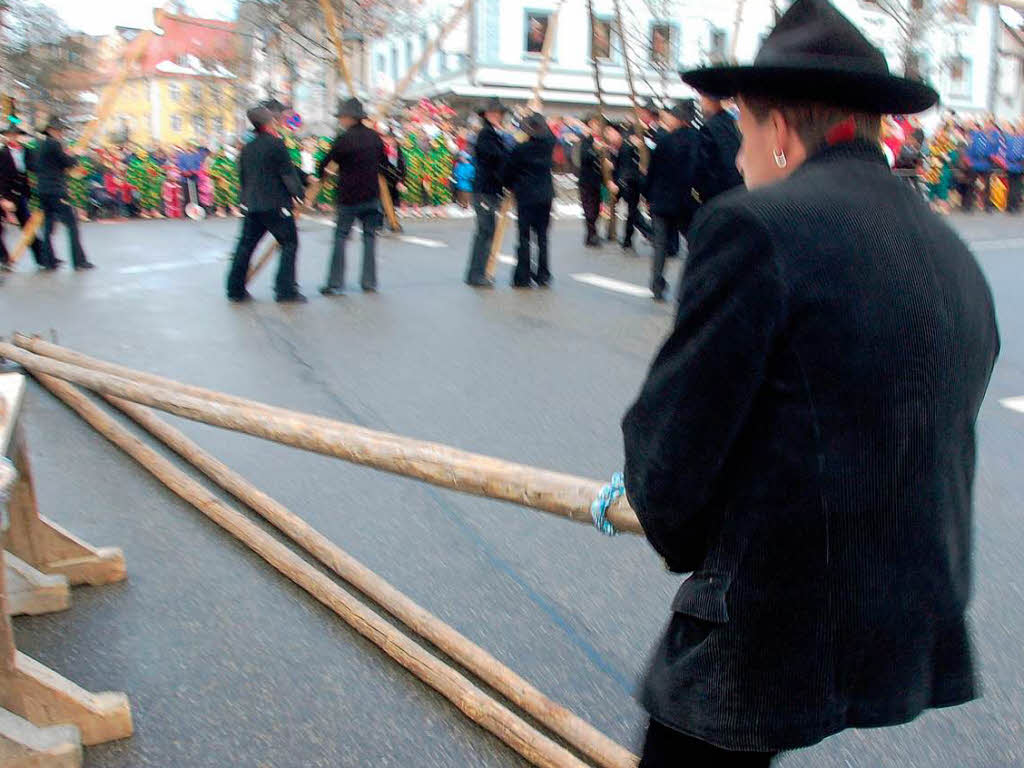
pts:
pixel 226 663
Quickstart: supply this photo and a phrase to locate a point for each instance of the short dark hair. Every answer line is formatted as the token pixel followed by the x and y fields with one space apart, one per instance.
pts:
pixel 812 120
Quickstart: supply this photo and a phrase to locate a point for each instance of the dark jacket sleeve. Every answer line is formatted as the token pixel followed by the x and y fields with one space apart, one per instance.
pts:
pixel 7 174
pixel 702 384
pixel 330 157
pixel 63 159
pixel 512 168
pixel 287 170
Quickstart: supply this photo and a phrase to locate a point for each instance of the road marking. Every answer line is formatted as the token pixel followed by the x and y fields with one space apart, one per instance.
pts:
pixel 166 266
pixel 424 241
pixel 1013 403
pixel 609 284
pixel 504 258
pixel 998 245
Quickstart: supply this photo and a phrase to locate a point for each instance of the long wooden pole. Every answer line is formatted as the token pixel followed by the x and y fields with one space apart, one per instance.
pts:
pixel 645 152
pixel 576 731
pixel 443 466
pixel 106 105
pixel 534 106
pixel 474 703
pixel 606 168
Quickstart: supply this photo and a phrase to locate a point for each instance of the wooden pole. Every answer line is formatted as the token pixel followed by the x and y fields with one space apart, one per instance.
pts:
pixel 606 168
pixel 461 649
pixel 106 105
pixel 440 465
pixel 534 106
pixel 736 27
pixel 645 152
pixel 474 703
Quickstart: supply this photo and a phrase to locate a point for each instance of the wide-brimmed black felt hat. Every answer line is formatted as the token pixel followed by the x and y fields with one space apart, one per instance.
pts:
pixel 816 54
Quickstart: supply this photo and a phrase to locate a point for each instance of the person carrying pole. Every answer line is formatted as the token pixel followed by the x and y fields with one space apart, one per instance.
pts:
pixel 51 163
pixel 16 191
pixel 270 189
pixel 491 155
pixel 528 177
pixel 591 178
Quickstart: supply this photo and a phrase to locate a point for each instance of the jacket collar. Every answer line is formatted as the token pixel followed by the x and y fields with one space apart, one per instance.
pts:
pixel 858 149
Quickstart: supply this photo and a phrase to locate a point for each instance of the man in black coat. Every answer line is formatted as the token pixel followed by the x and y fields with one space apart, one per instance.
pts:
pixel 668 188
pixel 491 153
pixel 805 441
pixel 591 178
pixel 269 188
pixel 528 176
pixel 51 163
pixel 15 192
pixel 394 169
pixel 719 145
pixel 627 179
pixel 359 155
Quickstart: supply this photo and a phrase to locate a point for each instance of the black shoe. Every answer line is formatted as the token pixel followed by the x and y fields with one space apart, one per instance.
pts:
pixel 517 284
pixel 291 298
pixel 326 290
pixel 627 247
pixel 84 265
pixel 659 296
pixel 47 267
pixel 369 288
pixel 5 267
pixel 240 298
pixel 481 282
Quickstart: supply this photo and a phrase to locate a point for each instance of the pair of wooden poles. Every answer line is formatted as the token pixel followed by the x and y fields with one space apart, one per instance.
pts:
pixel 121 386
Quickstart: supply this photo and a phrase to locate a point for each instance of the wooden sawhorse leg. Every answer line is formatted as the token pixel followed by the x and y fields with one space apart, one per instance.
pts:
pixel 46 546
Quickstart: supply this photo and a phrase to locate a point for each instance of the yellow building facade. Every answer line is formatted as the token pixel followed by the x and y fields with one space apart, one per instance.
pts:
pixel 174 110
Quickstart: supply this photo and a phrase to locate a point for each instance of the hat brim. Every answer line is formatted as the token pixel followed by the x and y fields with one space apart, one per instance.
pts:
pixel 861 91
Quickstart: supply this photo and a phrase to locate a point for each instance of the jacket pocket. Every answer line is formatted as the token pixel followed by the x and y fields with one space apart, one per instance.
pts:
pixel 703 596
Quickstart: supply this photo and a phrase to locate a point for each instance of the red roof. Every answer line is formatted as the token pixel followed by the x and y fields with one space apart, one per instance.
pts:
pixel 209 40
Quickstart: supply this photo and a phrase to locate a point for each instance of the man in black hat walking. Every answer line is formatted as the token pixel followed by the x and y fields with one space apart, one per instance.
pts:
pixel 491 154
pixel 591 178
pixel 804 444
pixel 360 157
pixel 15 191
pixel 626 179
pixel 719 143
pixel 668 188
pixel 51 164
pixel 270 186
pixel 528 176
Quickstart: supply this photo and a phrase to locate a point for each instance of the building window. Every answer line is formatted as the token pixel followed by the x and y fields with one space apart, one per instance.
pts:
pixel 196 93
pixel 960 78
pixel 662 44
pixel 213 94
pixel 176 123
pixel 536 30
pixel 174 91
pixel 198 124
pixel 218 125
pixel 382 63
pixel 716 48
pixel 601 39
pixel 394 63
pixel 408 55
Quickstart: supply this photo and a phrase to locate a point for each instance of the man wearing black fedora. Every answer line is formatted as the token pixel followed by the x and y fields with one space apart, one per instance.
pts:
pixel 51 163
pixel 15 191
pixel 359 154
pixel 491 153
pixel 804 444
pixel 719 144
pixel 269 188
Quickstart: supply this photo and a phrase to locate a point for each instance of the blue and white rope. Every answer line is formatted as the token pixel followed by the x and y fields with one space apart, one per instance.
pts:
pixel 604 500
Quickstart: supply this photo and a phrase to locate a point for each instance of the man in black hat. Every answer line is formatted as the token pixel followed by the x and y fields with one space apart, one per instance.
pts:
pixel 491 154
pixel 51 164
pixel 15 191
pixel 650 117
pixel 591 178
pixel 359 155
pixel 804 445
pixel 626 179
pixel 528 176
pixel 719 143
pixel 269 188
pixel 668 188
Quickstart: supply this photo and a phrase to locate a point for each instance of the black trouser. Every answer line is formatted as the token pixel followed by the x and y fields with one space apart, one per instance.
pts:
pixel 590 198
pixel 635 219
pixel 972 190
pixel 666 244
pixel 1013 201
pixel 533 218
pixel 254 226
pixel 668 748
pixel 23 214
pixel 368 213
pixel 486 207
pixel 54 210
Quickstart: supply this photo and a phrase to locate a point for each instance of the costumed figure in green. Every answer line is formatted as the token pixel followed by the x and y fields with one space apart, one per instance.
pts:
pixel 328 189
pixel 79 182
pixel 415 172
pixel 440 166
pixel 142 174
pixel 224 173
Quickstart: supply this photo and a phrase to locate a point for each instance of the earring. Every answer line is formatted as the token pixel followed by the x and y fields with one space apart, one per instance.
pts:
pixel 780 158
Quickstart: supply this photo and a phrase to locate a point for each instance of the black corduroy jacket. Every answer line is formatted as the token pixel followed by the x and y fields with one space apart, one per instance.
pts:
pixel 269 179
pixel 490 155
pixel 805 445
pixel 528 170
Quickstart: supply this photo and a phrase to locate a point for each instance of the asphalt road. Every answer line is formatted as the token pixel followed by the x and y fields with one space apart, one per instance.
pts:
pixel 226 663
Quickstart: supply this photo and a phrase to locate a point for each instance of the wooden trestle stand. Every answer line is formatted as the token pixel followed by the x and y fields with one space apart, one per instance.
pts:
pixel 44 718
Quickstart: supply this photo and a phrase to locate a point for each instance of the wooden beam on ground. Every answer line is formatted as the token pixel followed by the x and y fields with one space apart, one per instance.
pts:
pixel 645 152
pixel 473 702
pixel 576 731
pixel 103 109
pixel 24 745
pixel 534 105
pixel 31 592
pixel 552 492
